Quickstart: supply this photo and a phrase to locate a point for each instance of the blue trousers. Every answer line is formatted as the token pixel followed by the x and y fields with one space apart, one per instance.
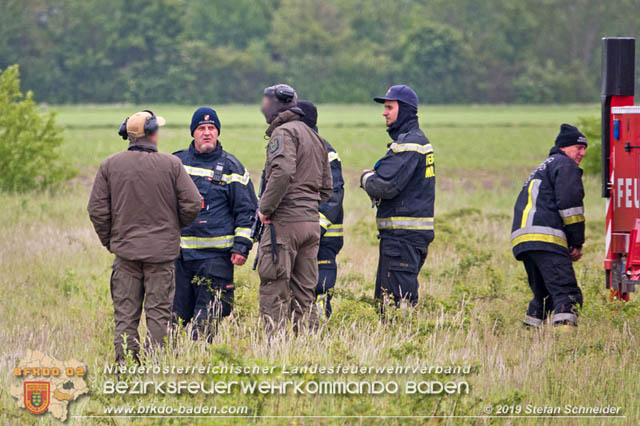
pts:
pixel 398 267
pixel 327 274
pixel 204 291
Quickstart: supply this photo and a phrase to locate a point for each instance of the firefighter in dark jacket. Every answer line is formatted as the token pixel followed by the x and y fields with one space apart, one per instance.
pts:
pixel 220 237
pixel 548 230
pixel 331 215
pixel 402 185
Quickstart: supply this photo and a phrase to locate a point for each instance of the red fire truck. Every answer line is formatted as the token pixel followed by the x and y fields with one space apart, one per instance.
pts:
pixel 620 166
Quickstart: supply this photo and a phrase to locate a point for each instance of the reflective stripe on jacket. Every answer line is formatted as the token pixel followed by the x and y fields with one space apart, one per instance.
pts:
pixel 403 184
pixel 549 213
pixel 331 211
pixel 228 208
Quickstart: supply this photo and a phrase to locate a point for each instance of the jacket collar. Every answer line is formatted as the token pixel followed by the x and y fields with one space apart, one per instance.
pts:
pixel 206 156
pixel 555 150
pixel 292 114
pixel 143 146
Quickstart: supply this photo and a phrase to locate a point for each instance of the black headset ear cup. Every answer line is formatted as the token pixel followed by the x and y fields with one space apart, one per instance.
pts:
pixel 151 125
pixel 284 94
pixel 123 129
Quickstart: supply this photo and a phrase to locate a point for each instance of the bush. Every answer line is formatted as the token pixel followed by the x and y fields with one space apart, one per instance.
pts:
pixel 592 161
pixel 29 141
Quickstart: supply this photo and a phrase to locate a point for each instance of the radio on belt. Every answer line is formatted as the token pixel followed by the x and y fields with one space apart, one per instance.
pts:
pixel 620 166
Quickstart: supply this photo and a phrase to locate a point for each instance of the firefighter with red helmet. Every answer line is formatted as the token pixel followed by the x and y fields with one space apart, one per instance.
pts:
pixel 548 230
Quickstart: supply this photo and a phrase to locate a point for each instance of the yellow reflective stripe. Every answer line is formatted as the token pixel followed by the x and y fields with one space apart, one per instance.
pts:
pixel 544 238
pixel 334 231
pixel 525 212
pixel 571 212
pixel 334 156
pixel 324 262
pixel 573 219
pixel 405 222
pixel 405 147
pixel 235 177
pixel 228 178
pixel 243 232
pixel 223 241
pixel 324 222
pixel 198 171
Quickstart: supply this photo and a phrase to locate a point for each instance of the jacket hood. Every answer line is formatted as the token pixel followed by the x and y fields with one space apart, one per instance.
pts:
pixel 407 120
pixel 291 114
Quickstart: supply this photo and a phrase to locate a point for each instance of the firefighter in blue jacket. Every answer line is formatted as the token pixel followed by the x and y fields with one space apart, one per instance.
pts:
pixel 548 230
pixel 220 237
pixel 331 215
pixel 402 185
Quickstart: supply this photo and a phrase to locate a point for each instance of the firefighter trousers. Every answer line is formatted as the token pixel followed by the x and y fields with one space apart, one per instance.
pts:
pixel 204 293
pixel 288 273
pixel 398 267
pixel 327 273
pixel 554 286
pixel 134 284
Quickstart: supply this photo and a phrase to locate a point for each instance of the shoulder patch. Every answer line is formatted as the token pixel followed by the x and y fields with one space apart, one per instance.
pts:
pixel 274 145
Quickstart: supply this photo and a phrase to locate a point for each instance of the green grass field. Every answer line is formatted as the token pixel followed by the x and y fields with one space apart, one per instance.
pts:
pixel 54 286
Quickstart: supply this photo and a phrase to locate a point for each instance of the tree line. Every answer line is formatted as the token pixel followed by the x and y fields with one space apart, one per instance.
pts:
pixel 204 51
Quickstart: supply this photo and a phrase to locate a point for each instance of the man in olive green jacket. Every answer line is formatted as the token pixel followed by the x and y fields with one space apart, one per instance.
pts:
pixel 139 202
pixel 297 178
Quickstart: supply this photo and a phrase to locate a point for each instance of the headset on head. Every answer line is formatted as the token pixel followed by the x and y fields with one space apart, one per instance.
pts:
pixel 282 92
pixel 150 126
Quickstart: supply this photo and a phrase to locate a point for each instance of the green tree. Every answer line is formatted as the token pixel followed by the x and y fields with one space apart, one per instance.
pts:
pixel 434 60
pixel 29 141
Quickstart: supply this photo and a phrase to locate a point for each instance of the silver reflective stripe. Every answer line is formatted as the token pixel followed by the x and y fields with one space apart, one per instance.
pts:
pixel 535 188
pixel 198 171
pixel 224 241
pixel 529 320
pixel 334 231
pixel 243 232
pixel 365 177
pixel 235 177
pixel 547 230
pixel 571 212
pixel 572 318
pixel 333 156
pixel 419 223
pixel 324 221
pixel 228 178
pixel 404 147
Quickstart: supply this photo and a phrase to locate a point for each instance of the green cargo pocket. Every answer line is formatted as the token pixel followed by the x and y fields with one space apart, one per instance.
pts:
pixel 270 271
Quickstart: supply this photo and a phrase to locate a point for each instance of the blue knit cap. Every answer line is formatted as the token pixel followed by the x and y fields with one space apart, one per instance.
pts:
pixel 204 115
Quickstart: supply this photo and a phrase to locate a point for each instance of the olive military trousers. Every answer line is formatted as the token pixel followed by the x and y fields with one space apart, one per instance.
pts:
pixel 288 269
pixel 134 285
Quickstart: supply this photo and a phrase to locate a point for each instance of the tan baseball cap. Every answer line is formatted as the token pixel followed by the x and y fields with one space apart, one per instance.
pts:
pixel 135 123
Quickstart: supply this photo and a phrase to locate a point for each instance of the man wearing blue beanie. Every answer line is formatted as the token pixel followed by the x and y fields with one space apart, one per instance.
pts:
pixel 220 237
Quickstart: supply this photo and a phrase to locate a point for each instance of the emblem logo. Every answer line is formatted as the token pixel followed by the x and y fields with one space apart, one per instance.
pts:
pixel 274 145
pixel 36 397
pixel 388 91
pixel 206 117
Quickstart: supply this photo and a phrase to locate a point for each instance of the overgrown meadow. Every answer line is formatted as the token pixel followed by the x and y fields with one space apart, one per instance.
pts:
pixel 54 285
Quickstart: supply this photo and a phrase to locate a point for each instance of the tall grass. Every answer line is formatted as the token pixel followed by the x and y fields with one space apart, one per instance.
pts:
pixel 54 291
